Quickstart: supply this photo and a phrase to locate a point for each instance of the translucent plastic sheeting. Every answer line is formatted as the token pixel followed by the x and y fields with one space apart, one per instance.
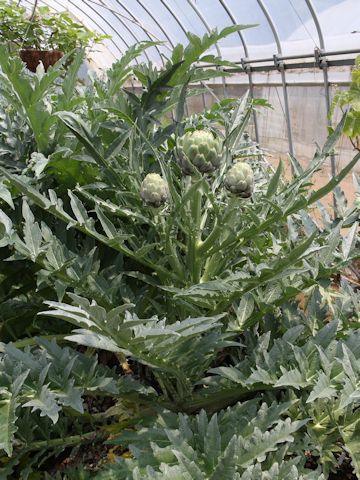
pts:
pixel 286 27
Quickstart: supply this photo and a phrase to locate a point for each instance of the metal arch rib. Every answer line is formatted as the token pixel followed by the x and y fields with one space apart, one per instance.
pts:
pixel 204 22
pixel 125 26
pixel 323 67
pixel 169 40
pixel 113 29
pixel 199 14
pixel 119 2
pixel 161 28
pixel 282 73
pixel 232 18
pixel 174 16
pixel 271 25
pixel 317 23
pixel 246 51
pixel 107 23
pixel 181 26
pixel 206 25
pixel 326 80
pixel 101 4
pixel 144 7
pixel 172 13
pixel 169 9
pixel 94 21
pixel 163 31
pixel 118 14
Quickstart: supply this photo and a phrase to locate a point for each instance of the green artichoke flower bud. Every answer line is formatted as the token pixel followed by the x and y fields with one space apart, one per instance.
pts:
pixel 199 149
pixel 239 180
pixel 154 190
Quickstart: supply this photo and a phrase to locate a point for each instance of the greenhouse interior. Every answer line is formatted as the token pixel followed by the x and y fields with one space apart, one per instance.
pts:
pixel 179 239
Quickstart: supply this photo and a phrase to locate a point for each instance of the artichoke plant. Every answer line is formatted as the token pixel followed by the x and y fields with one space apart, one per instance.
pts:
pixel 200 149
pixel 154 190
pixel 240 180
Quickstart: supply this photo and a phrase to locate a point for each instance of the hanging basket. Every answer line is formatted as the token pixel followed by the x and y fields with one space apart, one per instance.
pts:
pixel 33 57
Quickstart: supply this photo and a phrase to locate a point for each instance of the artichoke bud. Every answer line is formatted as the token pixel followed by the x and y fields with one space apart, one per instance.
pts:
pixel 199 149
pixel 239 180
pixel 154 190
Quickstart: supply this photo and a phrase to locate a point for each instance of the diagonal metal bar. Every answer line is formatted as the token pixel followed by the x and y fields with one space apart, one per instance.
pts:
pixel 232 18
pixel 117 13
pixel 150 37
pixel 247 67
pixel 204 22
pixel 324 67
pixel 172 45
pixel 175 17
pixel 154 19
pixel 271 25
pixel 277 59
pixel 317 23
pixel 206 25
pixel 105 21
pixel 127 45
pixel 119 19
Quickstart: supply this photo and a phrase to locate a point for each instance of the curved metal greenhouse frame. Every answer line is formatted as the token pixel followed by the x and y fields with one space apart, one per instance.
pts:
pixel 286 31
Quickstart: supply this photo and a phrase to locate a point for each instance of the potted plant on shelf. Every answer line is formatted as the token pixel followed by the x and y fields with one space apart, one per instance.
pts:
pixel 42 35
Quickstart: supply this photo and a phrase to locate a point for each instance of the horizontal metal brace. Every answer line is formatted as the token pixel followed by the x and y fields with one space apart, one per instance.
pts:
pixel 272 83
pixel 251 61
pixel 305 55
pixel 294 66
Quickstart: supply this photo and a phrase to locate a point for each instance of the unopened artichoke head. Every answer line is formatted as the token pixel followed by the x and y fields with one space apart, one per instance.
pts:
pixel 239 180
pixel 200 149
pixel 154 190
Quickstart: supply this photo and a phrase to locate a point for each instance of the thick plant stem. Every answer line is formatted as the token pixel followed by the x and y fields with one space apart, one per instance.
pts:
pixel 171 249
pixel 195 240
pixel 67 441
pixel 29 342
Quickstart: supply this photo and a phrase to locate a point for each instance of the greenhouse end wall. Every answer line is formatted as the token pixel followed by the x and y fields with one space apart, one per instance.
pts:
pixel 307 106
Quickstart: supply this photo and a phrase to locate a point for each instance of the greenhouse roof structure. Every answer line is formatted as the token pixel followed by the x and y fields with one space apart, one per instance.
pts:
pixel 296 42
pixel 289 30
